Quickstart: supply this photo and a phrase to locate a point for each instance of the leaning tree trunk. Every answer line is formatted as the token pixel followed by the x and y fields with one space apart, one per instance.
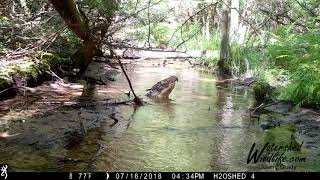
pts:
pixel 224 52
pixel 77 24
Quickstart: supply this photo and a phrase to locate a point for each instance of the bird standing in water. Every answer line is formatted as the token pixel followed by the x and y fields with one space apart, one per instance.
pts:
pixel 163 88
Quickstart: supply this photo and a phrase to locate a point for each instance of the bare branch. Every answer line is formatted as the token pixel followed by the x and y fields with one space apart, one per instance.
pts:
pixel 137 12
pixel 310 11
pixel 137 100
pixel 190 17
pixel 184 41
pixel 285 15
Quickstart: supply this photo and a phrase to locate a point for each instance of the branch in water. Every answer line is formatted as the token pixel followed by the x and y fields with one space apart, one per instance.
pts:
pixel 136 99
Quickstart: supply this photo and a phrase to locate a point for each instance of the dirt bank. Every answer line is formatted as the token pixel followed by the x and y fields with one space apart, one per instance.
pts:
pixel 306 122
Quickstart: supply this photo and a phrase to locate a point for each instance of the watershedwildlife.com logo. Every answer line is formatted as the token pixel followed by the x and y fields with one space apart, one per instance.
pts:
pixel 284 157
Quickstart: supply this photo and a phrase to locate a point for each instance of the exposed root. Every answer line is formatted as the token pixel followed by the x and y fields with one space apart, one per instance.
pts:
pixel 112 116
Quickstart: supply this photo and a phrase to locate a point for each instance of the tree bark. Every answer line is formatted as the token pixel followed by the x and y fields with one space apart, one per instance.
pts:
pixel 234 21
pixel 208 28
pixel 75 21
pixel 203 27
pixel 10 9
pixel 243 25
pixel 224 52
pixel 25 8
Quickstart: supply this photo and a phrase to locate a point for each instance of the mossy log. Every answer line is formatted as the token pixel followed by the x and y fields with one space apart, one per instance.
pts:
pixel 262 91
pixel 29 72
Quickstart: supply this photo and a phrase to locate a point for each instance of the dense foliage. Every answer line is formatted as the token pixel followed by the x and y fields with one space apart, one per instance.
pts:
pixel 298 54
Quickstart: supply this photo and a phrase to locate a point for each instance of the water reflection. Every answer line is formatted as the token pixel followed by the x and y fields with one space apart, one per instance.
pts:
pixel 234 138
pixel 189 132
pixel 203 127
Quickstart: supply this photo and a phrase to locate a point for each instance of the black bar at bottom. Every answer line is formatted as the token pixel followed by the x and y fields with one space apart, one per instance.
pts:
pixel 157 175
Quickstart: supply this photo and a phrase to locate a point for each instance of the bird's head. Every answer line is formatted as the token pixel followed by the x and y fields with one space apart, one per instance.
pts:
pixel 174 78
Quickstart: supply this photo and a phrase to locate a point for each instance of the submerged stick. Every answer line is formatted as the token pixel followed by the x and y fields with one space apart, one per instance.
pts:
pixel 100 150
pixel 252 115
pixel 122 102
pixel 81 122
pixel 261 106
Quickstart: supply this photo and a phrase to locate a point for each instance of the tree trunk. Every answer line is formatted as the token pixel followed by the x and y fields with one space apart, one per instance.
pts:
pixel 10 9
pixel 224 52
pixel 234 21
pixel 25 8
pixel 243 27
pixel 203 27
pixel 208 28
pixel 77 24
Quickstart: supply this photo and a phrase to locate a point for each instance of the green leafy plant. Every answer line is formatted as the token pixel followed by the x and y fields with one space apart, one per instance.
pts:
pixel 304 88
pixel 4 21
pixel 299 54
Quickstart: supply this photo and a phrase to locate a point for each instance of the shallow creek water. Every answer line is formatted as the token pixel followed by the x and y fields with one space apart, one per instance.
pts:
pixel 205 126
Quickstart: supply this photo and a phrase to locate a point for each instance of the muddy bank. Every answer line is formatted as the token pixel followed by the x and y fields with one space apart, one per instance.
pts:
pixel 61 116
pixel 305 121
pixel 74 101
pixel 17 76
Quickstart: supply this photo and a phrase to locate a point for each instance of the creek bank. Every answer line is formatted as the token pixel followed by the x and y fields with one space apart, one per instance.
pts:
pixel 305 121
pixel 57 101
pixel 277 113
pixel 17 77
pixel 35 68
pixel 32 70
pixel 274 113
